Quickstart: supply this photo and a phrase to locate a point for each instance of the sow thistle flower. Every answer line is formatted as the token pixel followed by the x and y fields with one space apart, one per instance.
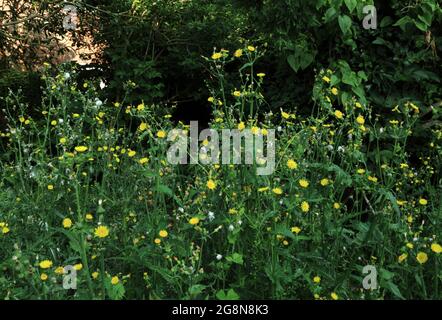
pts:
pixel 101 232
pixel 326 79
pixel 422 257
pixel 402 257
pixel 238 53
pixel 334 296
pixel 251 48
pixel 143 160
pixel 237 93
pixel 241 126
pixel 81 149
pixel 161 134
pixel 317 279
pixel 360 120
pixel 163 233
pixel 291 164
pixel 45 264
pixel 194 221
pixel 303 183
pixel 67 223
pixel 423 202
pixel 115 280
pixel 296 230
pixel 325 182
pixel 44 277
pixel 217 56
pixel 334 91
pixel 339 114
pixel 437 248
pixel 305 207
pixel 261 75
pixel 277 191
pixel 211 185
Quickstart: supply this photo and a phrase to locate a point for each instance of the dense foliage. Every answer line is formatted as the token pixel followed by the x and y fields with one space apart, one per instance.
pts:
pixel 84 178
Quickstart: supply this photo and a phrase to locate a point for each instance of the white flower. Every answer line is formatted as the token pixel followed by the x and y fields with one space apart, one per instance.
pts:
pixel 67 76
pixel 239 222
pixel 341 149
pixel 231 227
pixel 211 215
pixel 102 84
pixel 181 210
pixel 330 147
pixel 98 103
pixel 279 128
pixel 219 257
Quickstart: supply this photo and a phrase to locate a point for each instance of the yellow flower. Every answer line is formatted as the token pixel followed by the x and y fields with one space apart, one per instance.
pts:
pixel 54 123
pixel 402 257
pixel 437 248
pixel 339 114
pixel 132 153
pixel 373 179
pixel 63 140
pixel 193 221
pixel 161 134
pixel 360 119
pixel 81 149
pixel 140 107
pixel 305 207
pixel 334 91
pixel 325 182
pixel 237 93
pixel 241 126
pixel 296 230
pixel 423 201
pixel 285 115
pixel 334 296
pixel 59 270
pixel 143 160
pixel 115 280
pixel 254 130
pixel 326 79
pixel 45 264
pixel 44 277
pixel 143 126
pixel 292 164
pixel 303 183
pixel 317 279
pixel 89 217
pixel 94 275
pixel 163 233
pixel 261 75
pixel 277 191
pixel 211 185
pixel 78 266
pixel 217 55
pixel 157 241
pixel 336 205
pixel 210 99
pixel 263 189
pixel 67 223
pixel 361 171
pixel 251 48
pixel 422 257
pixel 5 230
pixel 101 232
pixel 50 187
pixel 233 211
pixel 238 53
pixel 410 245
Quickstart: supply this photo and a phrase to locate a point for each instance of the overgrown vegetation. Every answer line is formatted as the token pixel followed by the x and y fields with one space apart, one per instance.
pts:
pixel 84 178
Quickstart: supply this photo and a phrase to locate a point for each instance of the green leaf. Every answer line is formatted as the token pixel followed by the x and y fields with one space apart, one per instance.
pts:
pixel 351 4
pixel 164 189
pixel 235 258
pixel 231 295
pixel 403 22
pixel 345 23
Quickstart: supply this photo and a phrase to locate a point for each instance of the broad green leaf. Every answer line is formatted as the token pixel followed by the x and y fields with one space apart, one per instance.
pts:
pixel 345 23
